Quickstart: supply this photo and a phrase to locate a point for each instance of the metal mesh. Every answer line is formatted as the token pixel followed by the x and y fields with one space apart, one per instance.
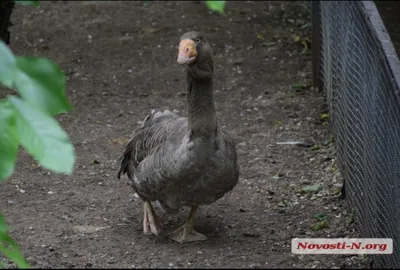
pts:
pixel 360 73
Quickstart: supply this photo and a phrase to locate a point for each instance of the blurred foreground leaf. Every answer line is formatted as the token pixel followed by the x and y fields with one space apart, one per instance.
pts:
pixel 43 137
pixel 42 84
pixel 8 140
pixel 28 3
pixel 218 6
pixel 7 66
pixel 9 248
pixel 29 122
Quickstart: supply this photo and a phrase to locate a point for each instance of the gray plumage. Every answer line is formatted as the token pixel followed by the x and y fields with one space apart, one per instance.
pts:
pixel 183 161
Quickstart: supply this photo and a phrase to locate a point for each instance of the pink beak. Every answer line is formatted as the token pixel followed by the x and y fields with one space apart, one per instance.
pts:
pixel 187 52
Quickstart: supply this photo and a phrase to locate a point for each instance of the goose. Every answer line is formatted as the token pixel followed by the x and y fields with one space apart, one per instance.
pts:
pixel 177 161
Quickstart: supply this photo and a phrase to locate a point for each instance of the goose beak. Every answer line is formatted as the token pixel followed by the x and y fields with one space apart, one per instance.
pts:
pixel 187 52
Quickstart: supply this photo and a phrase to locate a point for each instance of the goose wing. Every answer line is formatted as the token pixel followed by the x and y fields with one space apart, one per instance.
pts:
pixel 145 140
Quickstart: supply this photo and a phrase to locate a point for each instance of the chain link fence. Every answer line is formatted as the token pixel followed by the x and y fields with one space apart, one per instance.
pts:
pixel 355 63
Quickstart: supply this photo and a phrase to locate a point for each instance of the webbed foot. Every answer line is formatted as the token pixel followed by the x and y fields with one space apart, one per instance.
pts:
pixel 187 233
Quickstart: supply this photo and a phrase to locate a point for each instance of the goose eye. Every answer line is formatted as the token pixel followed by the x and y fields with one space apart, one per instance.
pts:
pixel 197 40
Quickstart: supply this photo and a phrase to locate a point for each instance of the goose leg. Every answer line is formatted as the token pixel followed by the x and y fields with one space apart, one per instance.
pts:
pixel 187 233
pixel 151 223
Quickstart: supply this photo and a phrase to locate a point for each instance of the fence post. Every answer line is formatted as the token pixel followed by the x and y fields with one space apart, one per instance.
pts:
pixel 6 8
pixel 316 43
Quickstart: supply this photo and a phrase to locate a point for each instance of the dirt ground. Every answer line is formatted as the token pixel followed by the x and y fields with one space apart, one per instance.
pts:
pixel 120 59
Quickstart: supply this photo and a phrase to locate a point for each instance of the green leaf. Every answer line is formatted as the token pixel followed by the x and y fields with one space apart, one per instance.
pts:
pixel 298 86
pixel 313 188
pixel 324 116
pixel 43 138
pixel 42 84
pixel 3 226
pixel 28 3
pixel 320 216
pixel 8 246
pixel 15 255
pixel 321 225
pixel 218 6
pixel 315 147
pixel 8 140
pixel 350 219
pixel 8 65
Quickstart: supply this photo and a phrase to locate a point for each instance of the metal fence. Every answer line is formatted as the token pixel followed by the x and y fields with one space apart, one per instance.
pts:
pixel 355 63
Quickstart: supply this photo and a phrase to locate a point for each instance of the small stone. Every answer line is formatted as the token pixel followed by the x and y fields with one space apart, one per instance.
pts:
pixel 238 61
pixel 305 182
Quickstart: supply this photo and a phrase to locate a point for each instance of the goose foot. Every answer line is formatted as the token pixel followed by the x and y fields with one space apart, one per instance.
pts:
pixel 186 233
pixel 151 223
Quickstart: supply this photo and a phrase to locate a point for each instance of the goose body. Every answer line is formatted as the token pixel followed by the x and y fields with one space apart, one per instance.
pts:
pixel 169 164
pixel 183 161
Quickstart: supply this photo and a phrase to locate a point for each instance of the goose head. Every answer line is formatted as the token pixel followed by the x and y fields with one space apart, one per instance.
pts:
pixel 195 52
